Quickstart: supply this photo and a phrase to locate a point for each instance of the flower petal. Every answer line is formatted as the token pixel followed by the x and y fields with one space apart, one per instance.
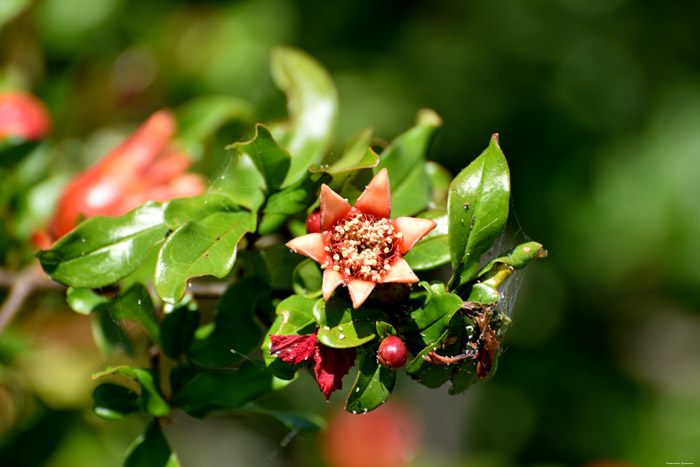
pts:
pixel 376 199
pixel 331 366
pixel 400 272
pixel 310 245
pixel 359 291
pixel 412 229
pixel 331 280
pixel 333 207
pixel 293 349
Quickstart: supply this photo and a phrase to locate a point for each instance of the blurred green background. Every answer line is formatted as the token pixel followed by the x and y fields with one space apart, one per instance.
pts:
pixel 598 106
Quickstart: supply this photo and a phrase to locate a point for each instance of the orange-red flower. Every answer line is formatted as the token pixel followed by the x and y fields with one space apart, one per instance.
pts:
pixel 23 116
pixel 361 246
pixel 145 167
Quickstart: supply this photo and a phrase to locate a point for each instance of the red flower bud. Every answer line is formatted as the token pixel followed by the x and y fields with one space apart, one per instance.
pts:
pixel 313 222
pixel 392 353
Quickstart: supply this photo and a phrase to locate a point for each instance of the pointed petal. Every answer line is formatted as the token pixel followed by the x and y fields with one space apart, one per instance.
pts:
pixel 412 229
pixel 359 291
pixel 331 280
pixel 333 207
pixel 376 199
pixel 310 245
pixel 400 272
pixel 293 349
pixel 331 366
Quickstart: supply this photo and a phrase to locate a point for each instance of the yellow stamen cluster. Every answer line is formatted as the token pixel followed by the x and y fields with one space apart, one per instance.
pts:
pixel 362 246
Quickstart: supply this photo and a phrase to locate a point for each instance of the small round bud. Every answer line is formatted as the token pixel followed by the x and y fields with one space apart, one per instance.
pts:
pixel 313 222
pixel 392 353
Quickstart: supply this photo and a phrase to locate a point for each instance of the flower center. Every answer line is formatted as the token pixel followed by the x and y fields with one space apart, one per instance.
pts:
pixel 362 246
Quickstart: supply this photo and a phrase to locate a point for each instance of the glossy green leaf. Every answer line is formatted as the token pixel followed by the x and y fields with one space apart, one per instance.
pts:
pixel 307 279
pixel 108 333
pixel 478 210
pixel 114 402
pixel 136 305
pixel 151 450
pixel 433 250
pixel 200 118
pixel 207 247
pixel 236 332
pixel 385 330
pixel 484 294
pixel 274 265
pixel 440 179
pixel 196 208
pixel 342 326
pixel 241 181
pixel 178 326
pixel 150 399
pixel 292 200
pixel 404 159
pixel 102 250
pixel 429 322
pixel 271 160
pixel 294 317
pixel 216 391
pixel 84 301
pixel 373 385
pixel 312 103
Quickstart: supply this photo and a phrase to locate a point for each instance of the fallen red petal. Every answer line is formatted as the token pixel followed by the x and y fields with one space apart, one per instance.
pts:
pixel 331 366
pixel 293 349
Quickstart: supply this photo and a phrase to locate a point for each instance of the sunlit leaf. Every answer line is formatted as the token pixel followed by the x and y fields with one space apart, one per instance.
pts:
pixel 102 250
pixel 342 326
pixel 433 250
pixel 312 103
pixel 307 279
pixel 196 208
pixel 373 385
pixel 478 210
pixel 207 247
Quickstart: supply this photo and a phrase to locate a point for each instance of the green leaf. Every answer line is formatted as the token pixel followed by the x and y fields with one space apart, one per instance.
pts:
pixel 200 118
pixel 108 333
pixel 307 279
pixel 271 160
pixel 113 402
pixel 385 330
pixel 292 200
pixel 242 182
pixel 404 159
pixel 477 210
pixel 483 293
pixel 373 385
pixel 341 326
pixel 178 327
pixel 84 301
pixel 433 250
pixel 207 247
pixel 150 400
pixel 196 208
pixel 102 250
pixel 151 450
pixel 236 331
pixel 274 265
pixel 294 317
pixel 440 179
pixel 431 321
pixel 215 391
pixel 312 103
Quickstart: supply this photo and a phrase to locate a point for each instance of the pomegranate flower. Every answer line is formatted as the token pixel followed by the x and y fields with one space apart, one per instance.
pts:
pixel 362 246
pixel 145 167
pixel 330 364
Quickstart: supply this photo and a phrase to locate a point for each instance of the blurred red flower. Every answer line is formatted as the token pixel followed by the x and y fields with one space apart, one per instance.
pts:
pixel 145 167
pixel 23 116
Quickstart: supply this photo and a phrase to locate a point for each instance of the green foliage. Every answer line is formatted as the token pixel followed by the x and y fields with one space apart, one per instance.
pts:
pixel 373 385
pixel 341 326
pixel 151 450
